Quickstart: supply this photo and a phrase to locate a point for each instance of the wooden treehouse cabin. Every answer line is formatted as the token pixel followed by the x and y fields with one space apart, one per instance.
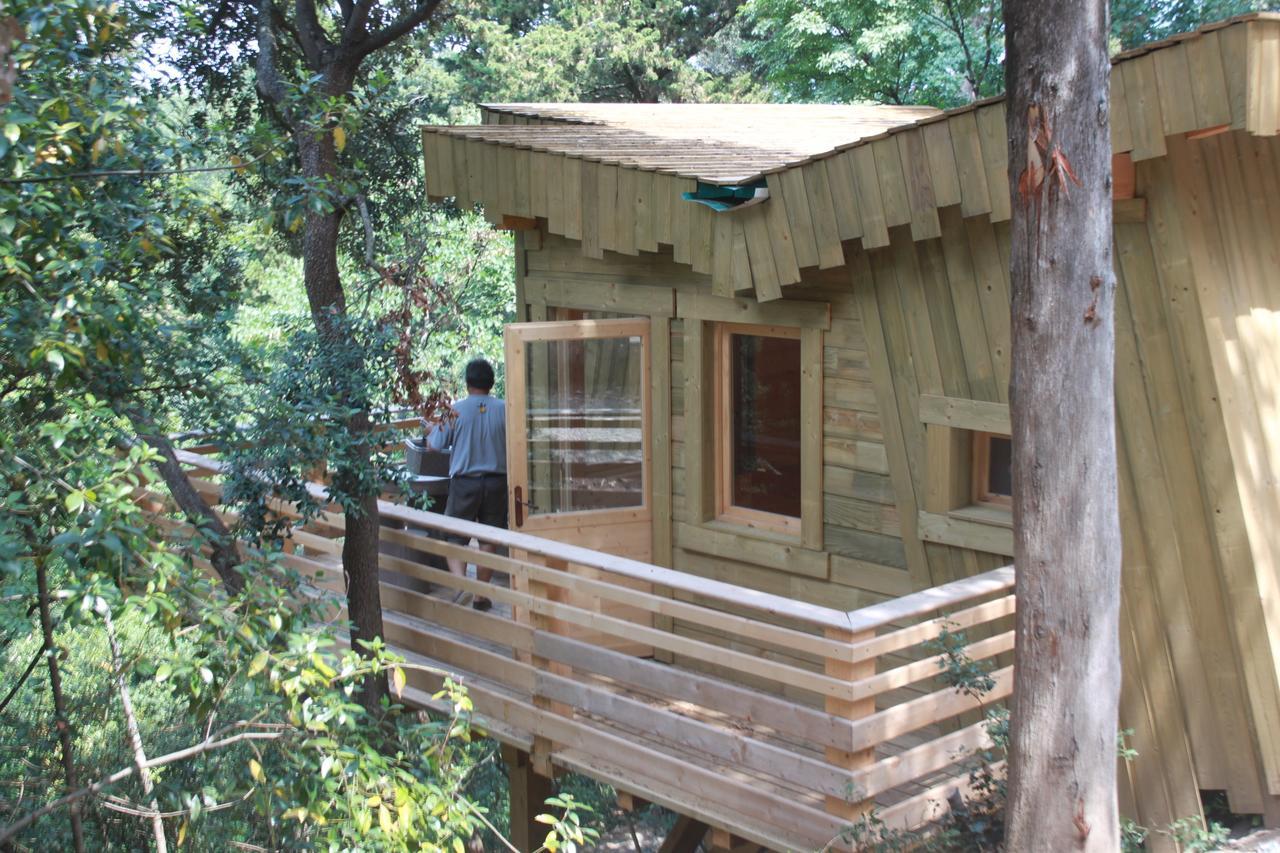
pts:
pixel 759 455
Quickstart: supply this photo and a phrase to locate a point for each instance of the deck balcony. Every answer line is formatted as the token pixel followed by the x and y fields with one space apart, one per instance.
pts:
pixel 770 720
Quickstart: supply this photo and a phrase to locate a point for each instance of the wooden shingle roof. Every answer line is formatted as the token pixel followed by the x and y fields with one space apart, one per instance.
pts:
pixel 717 143
pixel 611 175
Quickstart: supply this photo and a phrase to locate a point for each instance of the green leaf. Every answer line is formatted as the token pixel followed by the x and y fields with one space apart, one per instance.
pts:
pixel 74 501
pixel 258 663
pixel 163 671
pixel 12 132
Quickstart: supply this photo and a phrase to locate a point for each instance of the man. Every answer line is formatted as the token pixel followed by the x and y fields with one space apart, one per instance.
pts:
pixel 476 430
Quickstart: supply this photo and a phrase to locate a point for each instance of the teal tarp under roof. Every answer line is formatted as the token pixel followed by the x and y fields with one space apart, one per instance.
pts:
pixel 720 197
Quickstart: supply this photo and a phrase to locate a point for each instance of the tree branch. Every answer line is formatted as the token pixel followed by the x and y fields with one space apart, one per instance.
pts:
pixel 225 556
pixel 135 735
pixel 270 87
pixel 132 173
pixel 35 659
pixel 357 18
pixel 397 28
pixel 204 746
pixel 59 700
pixel 315 44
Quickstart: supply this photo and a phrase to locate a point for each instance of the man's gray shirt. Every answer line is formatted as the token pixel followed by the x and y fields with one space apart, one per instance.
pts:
pixel 477 434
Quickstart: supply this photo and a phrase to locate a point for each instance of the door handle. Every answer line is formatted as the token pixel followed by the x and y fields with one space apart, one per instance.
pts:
pixel 517 499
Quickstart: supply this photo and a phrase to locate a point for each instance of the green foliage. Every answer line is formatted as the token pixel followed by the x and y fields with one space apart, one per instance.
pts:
pixel 1193 835
pixel 940 52
pixel 966 675
pixel 1133 836
pixel 567 831
pixel 1136 22
pixel 944 53
pixel 608 50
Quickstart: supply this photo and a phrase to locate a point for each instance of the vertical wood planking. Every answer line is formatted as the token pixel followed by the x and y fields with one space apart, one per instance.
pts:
pixel 1211 265
pixel 1193 650
pixel 645 238
pixel 797 206
pixel 993 137
pixel 884 369
pixel 844 197
pixel 971 172
pixel 506 162
pixel 462 187
pixel 572 174
pixel 606 210
pixel 492 183
pixel 625 211
pixel 1264 85
pixel 778 225
pixel 556 217
pixel 822 211
pixel 966 297
pixel 1233 44
pixel 521 182
pixel 1121 132
pixel 936 290
pixel 1143 97
pixel 990 270
pixel 590 210
pixel 680 220
pixel 722 257
pixel 1208 83
pixel 893 185
pixel 1173 79
pixel 660 436
pixel 763 272
pixel 942 163
pixel 664 196
pixel 701 234
pixel 924 206
pixel 742 281
pixel 698 408
pixel 811 438
pixel 875 233
pixel 538 167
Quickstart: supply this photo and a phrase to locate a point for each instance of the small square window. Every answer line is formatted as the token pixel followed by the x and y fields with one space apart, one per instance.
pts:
pixel 992 469
pixel 759 419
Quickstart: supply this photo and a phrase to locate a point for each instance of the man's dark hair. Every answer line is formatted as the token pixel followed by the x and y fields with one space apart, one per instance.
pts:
pixel 480 375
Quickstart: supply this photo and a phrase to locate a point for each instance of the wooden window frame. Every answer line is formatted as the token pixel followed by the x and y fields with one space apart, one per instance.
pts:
pixel 721 367
pixel 981 472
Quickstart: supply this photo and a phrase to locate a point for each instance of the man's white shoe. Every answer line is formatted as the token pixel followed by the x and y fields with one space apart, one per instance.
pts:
pixel 463 598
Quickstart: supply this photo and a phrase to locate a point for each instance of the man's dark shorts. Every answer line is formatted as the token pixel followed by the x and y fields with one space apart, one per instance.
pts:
pixel 480 497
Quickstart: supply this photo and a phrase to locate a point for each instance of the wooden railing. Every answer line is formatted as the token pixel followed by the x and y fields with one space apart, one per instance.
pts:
pixel 779 720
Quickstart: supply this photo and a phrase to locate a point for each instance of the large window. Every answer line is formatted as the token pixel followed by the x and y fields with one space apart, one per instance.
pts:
pixel 758 426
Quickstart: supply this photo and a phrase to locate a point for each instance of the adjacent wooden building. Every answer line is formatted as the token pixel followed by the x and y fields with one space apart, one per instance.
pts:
pixel 808 394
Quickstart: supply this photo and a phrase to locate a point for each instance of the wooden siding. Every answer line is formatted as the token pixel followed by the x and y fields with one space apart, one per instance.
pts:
pixel 620 184
pixel 1197 338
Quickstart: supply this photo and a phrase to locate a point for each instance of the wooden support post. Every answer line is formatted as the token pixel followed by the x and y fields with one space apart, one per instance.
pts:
pixel 850 759
pixel 684 837
pixel 529 790
pixel 720 840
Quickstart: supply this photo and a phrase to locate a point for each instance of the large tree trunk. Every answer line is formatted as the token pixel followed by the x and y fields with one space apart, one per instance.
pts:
pixel 1062 782
pixel 328 307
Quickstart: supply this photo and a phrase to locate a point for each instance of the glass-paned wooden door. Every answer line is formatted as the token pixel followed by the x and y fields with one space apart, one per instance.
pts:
pixel 578 433
pixel 578 452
